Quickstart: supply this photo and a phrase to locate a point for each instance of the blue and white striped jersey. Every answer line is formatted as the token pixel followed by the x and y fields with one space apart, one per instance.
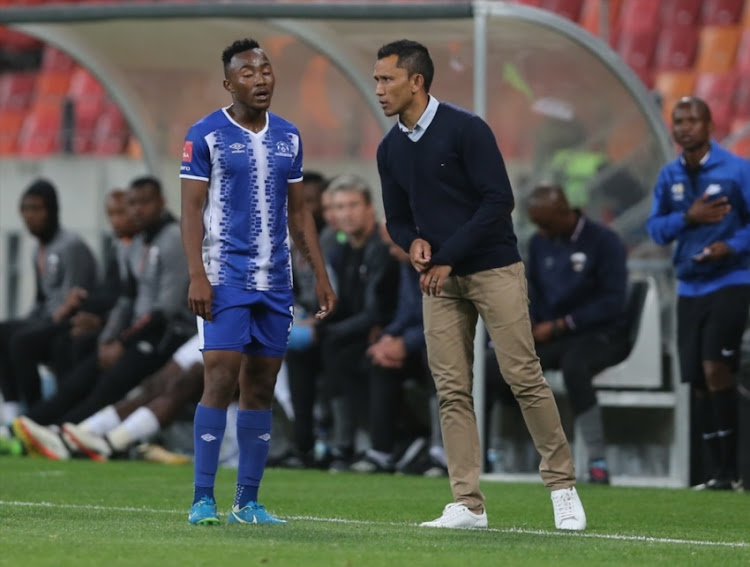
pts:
pixel 245 234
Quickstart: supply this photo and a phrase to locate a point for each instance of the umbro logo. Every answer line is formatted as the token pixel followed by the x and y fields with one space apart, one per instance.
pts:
pixel 207 437
pixel 237 148
pixel 265 437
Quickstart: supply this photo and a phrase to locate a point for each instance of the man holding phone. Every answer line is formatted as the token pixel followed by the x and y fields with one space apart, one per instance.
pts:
pixel 702 201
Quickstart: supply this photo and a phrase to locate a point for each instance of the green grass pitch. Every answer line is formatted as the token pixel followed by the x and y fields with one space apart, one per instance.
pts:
pixel 82 513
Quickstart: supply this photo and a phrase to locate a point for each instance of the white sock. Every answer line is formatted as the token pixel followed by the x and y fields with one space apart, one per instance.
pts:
pixel 9 412
pixel 103 421
pixel 138 426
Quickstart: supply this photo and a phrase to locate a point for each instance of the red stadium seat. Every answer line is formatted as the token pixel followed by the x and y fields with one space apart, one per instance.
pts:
pixel 40 133
pixel 589 19
pixel 722 12
pixel 742 97
pixel 637 49
pixel 111 133
pixel 16 90
pixel 17 41
pixel 52 85
pixel 570 9
pixel 718 47
pixel 11 121
pixel 680 12
pixel 638 16
pixel 672 86
pixel 718 90
pixel 742 58
pixel 54 59
pixel 676 48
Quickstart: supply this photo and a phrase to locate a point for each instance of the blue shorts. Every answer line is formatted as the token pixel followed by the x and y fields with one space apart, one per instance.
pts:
pixel 248 321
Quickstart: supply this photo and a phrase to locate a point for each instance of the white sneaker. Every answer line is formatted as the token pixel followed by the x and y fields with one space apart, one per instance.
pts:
pixel 91 445
pixel 457 515
pixel 40 439
pixel 569 514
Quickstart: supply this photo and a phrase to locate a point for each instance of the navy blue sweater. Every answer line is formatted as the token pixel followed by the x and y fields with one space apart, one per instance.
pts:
pixel 451 189
pixel 723 175
pixel 582 278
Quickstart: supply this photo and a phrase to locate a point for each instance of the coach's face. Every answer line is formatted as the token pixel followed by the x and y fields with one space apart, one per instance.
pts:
pixel 250 79
pixel 691 128
pixel 393 86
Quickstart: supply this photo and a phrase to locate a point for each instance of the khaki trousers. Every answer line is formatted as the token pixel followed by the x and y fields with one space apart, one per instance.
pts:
pixel 500 297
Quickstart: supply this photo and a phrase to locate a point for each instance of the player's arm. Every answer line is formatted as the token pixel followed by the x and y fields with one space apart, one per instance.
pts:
pixel 200 294
pixel 302 230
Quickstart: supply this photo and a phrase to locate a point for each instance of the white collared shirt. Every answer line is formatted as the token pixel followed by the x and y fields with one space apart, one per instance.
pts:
pixel 424 121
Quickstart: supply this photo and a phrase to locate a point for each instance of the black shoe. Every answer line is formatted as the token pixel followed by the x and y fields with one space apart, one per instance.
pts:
pixel 716 484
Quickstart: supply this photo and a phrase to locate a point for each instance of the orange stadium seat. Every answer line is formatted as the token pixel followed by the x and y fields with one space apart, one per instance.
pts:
pixel 672 86
pixel 722 12
pixel 718 90
pixel 40 133
pixel 16 90
pixel 637 16
pixel 10 125
pixel 676 48
pixel 637 49
pixel 52 85
pixel 570 9
pixel 718 47
pixel 680 12
pixel 589 19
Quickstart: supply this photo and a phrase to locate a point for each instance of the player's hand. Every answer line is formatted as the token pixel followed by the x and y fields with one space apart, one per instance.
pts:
pixel 420 254
pixel 713 252
pixel 703 211
pixel 431 282
pixel 200 297
pixel 109 353
pixel 326 298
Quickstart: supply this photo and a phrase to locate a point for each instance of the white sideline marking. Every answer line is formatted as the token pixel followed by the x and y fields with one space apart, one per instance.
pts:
pixel 619 537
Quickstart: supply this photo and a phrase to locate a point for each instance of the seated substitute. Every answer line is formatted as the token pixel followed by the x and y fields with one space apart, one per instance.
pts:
pixel 577 278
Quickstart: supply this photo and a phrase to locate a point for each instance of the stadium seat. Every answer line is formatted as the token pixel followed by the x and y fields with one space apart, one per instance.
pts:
pixel 718 47
pixel 638 16
pixel 16 90
pixel 676 48
pixel 532 3
pixel 40 133
pixel 54 59
pixel 570 9
pixel 740 134
pixel 637 49
pixel 718 90
pixel 742 57
pixel 52 85
pixel 110 135
pixel 589 19
pixel 742 97
pixel 672 86
pixel 16 40
pixel 11 121
pixel 680 12
pixel 84 88
pixel 721 12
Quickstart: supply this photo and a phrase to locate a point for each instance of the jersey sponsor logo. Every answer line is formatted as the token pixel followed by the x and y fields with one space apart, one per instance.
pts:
pixel 187 152
pixel 237 148
pixel 283 149
pixel 678 192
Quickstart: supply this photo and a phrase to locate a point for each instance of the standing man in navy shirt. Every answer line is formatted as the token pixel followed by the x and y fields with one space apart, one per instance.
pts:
pixel 702 202
pixel 577 286
pixel 448 202
pixel 242 196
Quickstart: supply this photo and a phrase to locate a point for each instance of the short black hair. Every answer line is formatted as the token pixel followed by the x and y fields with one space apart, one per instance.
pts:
pixel 147 181
pixel 46 191
pixel 315 178
pixel 239 46
pixel 698 103
pixel 412 56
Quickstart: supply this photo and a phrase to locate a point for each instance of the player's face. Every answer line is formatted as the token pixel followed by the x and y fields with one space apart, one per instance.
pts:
pixel 690 127
pixel 250 79
pixel 119 217
pixel 145 206
pixel 393 86
pixel 354 215
pixel 35 214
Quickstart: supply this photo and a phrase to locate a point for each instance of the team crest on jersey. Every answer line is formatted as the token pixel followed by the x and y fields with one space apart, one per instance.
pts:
pixel 678 192
pixel 283 149
pixel 237 148
pixel 578 261
pixel 187 152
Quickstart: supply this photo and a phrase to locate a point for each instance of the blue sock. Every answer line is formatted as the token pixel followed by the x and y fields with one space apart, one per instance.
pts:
pixel 253 438
pixel 208 431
